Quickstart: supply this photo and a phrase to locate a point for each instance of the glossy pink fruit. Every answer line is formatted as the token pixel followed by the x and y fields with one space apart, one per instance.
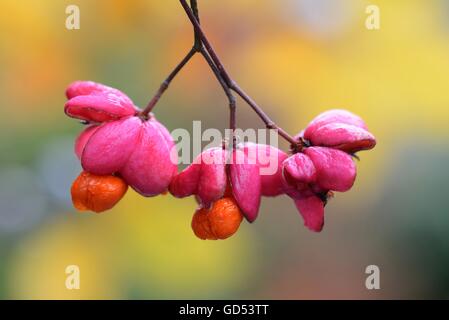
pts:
pixel 339 129
pixel 246 184
pixel 299 173
pixel 344 137
pixel 269 160
pixel 140 150
pixel 311 209
pixel 210 174
pixel 82 139
pixel 205 177
pixel 335 169
pixel 309 175
pixel 333 116
pixel 95 102
pixel 135 149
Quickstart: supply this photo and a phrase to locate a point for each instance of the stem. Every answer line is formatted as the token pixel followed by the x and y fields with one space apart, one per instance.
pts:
pixel 265 118
pixel 166 83
pixel 202 45
pixel 198 44
pixel 206 42
pixel 231 84
pixel 228 92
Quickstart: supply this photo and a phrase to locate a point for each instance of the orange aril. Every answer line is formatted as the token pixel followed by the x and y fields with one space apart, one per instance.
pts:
pixel 97 193
pixel 221 221
pixel 201 225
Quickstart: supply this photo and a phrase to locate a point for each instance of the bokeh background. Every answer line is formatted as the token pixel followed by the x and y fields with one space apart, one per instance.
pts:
pixel 296 58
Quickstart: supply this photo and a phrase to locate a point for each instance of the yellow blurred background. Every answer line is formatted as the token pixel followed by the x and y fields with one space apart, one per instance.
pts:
pixel 297 58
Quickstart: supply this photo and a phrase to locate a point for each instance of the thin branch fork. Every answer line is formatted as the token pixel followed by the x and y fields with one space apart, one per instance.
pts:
pixel 203 46
pixel 197 48
pixel 166 83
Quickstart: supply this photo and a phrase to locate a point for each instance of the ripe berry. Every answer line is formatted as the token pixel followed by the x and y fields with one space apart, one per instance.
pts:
pixel 254 171
pixel 97 193
pixel 221 221
pixel 119 141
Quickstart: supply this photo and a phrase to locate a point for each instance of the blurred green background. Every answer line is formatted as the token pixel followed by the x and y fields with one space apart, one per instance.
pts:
pixel 296 58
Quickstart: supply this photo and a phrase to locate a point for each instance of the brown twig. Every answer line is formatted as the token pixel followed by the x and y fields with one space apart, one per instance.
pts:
pixel 166 83
pixel 265 118
pixel 203 46
pixel 231 83
pixel 197 41
pixel 228 92
pixel 205 41
pixel 214 68
pixel 231 99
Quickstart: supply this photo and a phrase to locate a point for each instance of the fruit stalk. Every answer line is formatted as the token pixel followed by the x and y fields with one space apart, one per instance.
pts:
pixel 270 124
pixel 203 46
pixel 166 83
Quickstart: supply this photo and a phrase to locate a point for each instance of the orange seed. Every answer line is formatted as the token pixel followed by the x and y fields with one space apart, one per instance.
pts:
pixel 97 193
pixel 221 221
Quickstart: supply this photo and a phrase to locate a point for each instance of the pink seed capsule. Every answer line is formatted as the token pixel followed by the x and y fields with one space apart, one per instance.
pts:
pixel 333 116
pixel 311 209
pixel 269 160
pixel 339 129
pixel 95 102
pixel 209 177
pixel 205 177
pixel 141 151
pixel 345 137
pixel 335 169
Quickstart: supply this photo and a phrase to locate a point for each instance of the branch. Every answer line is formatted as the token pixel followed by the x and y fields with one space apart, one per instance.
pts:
pixel 205 41
pixel 231 84
pixel 197 42
pixel 265 118
pixel 198 45
pixel 227 90
pixel 166 83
